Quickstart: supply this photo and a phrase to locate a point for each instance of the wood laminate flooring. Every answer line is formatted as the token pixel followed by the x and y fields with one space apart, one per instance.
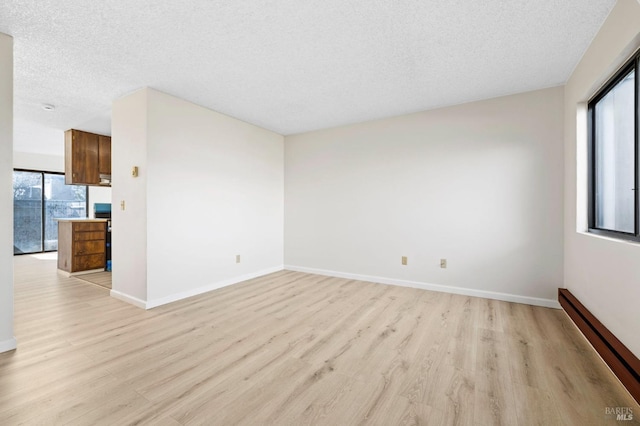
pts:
pixel 292 349
pixel 103 279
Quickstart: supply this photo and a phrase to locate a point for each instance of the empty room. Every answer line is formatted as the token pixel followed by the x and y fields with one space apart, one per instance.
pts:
pixel 324 213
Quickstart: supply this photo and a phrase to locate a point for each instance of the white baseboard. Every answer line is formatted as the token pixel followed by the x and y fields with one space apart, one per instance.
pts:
pixel 150 304
pixel 74 274
pixel 210 287
pixel 547 303
pixel 129 299
pixel 8 345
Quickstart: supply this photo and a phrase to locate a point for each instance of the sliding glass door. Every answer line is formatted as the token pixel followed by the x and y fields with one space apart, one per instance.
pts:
pixel 27 212
pixel 60 201
pixel 38 199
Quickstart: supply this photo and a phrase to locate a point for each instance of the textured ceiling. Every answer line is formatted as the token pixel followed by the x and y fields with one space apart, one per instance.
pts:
pixel 287 65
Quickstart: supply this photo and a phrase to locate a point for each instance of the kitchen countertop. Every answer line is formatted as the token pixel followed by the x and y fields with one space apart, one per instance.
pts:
pixel 80 219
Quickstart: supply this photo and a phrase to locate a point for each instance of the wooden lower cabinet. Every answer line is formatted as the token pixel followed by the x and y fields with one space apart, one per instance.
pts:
pixel 81 245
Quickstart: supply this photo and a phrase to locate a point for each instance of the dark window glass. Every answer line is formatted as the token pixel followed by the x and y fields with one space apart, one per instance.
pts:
pixel 38 199
pixel 27 212
pixel 614 157
pixel 61 201
pixel 613 153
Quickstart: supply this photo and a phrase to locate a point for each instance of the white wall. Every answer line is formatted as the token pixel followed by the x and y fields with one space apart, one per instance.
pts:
pixel 34 138
pixel 99 194
pixel 32 161
pixel 213 187
pixel 129 226
pixel 479 184
pixel 7 339
pixel 603 274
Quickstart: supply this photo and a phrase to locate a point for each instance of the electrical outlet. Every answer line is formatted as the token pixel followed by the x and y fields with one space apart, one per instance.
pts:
pixel 443 263
pixel 404 260
pixel 122 205
pixel 237 258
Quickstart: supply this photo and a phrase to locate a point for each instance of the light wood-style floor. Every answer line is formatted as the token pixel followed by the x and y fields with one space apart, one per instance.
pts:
pixel 103 279
pixel 292 349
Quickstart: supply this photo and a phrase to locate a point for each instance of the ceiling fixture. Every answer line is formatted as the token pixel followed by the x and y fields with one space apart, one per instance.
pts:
pixel 48 107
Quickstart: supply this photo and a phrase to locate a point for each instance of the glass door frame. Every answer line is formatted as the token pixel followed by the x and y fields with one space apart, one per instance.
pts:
pixel 43 207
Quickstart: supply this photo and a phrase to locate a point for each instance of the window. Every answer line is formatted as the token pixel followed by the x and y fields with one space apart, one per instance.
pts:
pixel 38 199
pixel 613 156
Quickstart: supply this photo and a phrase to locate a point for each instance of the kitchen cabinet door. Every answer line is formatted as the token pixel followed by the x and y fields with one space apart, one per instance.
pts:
pixel 81 158
pixel 104 155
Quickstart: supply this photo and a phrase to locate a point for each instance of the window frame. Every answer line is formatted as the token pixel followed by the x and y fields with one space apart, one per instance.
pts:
pixel 632 64
pixel 43 207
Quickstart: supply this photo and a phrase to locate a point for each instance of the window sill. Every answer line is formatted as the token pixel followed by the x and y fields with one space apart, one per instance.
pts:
pixel 608 238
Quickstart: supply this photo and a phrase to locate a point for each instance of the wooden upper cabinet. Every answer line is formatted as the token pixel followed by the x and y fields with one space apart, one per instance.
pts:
pixel 87 156
pixel 104 155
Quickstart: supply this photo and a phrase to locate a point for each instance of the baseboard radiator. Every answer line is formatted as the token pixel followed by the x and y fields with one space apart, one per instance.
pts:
pixel 624 364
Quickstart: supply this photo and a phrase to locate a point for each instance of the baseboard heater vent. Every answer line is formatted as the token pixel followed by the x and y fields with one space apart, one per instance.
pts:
pixel 621 360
